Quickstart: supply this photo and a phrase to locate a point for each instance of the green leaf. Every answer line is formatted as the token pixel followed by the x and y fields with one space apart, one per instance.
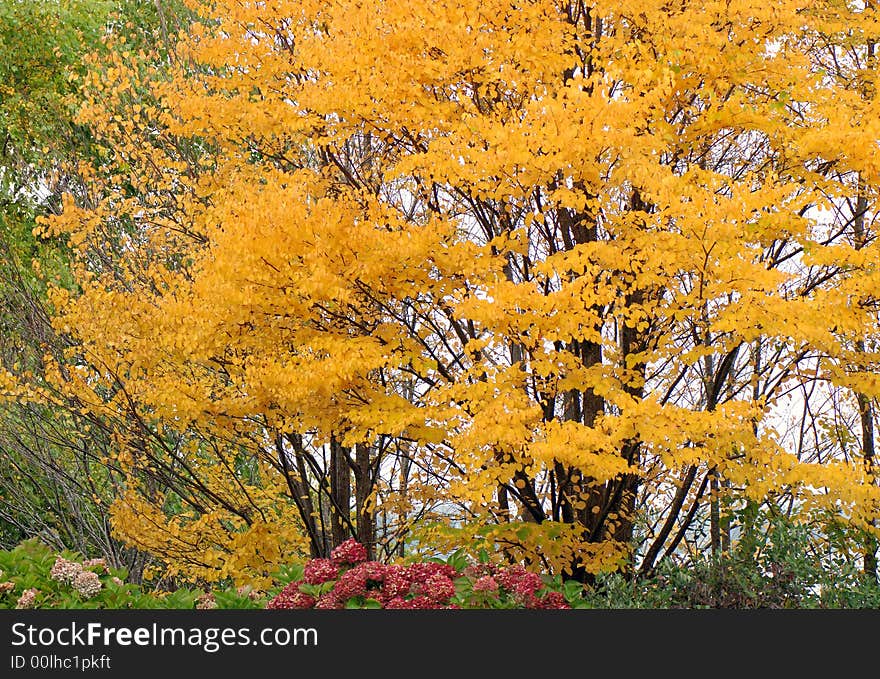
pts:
pixel 290 573
pixel 572 590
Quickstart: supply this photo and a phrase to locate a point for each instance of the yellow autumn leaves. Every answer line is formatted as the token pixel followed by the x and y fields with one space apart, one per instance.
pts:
pixel 548 255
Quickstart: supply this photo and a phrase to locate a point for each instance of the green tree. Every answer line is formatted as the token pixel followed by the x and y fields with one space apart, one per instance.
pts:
pixel 52 481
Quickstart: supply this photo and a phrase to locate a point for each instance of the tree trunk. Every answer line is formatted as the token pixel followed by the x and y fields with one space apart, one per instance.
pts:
pixel 340 493
pixel 363 485
pixel 866 413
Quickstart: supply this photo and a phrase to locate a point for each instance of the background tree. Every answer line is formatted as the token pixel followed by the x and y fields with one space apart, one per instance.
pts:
pixel 536 276
pixel 54 480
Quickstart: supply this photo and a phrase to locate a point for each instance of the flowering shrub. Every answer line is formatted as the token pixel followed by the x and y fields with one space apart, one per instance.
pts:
pixel 87 584
pixel 319 571
pixel 28 581
pixel 65 571
pixel 782 575
pixel 27 598
pixel 349 553
pixel 34 576
pixel 348 580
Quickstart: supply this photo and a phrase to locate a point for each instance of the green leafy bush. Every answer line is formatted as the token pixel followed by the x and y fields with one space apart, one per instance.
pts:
pixel 34 576
pixel 779 569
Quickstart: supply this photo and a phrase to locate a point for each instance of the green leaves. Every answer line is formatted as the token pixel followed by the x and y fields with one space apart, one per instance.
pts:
pixel 317 590
pixel 41 41
pixel 362 602
pixel 289 572
pixel 458 559
pixel 29 566
pixel 572 590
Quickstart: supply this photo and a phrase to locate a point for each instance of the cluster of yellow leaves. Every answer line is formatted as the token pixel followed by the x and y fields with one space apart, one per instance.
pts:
pixel 216 544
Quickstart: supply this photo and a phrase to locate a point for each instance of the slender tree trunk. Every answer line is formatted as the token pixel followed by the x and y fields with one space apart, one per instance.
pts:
pixel 866 413
pixel 363 484
pixel 340 493
pixel 714 515
pixel 866 410
pixel 297 484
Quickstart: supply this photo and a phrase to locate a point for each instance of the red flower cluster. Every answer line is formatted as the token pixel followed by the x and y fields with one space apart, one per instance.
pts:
pixel 349 553
pixel 318 571
pixel 419 585
pixel 524 587
pixel 421 571
pixel 485 583
pixel 291 597
pixel 437 588
pixel 357 581
pixel 552 600
pixel 517 580
pixel 397 582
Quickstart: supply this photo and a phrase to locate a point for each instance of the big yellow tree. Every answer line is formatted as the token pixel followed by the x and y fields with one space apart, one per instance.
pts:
pixel 534 274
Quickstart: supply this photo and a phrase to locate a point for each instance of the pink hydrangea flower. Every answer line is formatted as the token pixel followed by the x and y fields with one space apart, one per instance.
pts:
pixel 328 601
pixel 87 583
pixel 438 588
pixel 420 602
pixel 552 600
pixel 417 602
pixel 350 552
pixel 318 571
pixel 65 571
pixel 420 572
pixel 396 603
pixel 291 597
pixel 27 598
pixel 351 583
pixel 365 580
pixel 518 580
pixel 485 584
pixel 373 570
pixel 396 583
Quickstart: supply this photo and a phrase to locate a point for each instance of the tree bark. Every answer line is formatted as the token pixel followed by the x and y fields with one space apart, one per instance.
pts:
pixel 340 492
pixel 363 484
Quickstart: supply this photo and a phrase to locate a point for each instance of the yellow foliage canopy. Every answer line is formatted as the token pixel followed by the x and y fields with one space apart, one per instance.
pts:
pixel 554 262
